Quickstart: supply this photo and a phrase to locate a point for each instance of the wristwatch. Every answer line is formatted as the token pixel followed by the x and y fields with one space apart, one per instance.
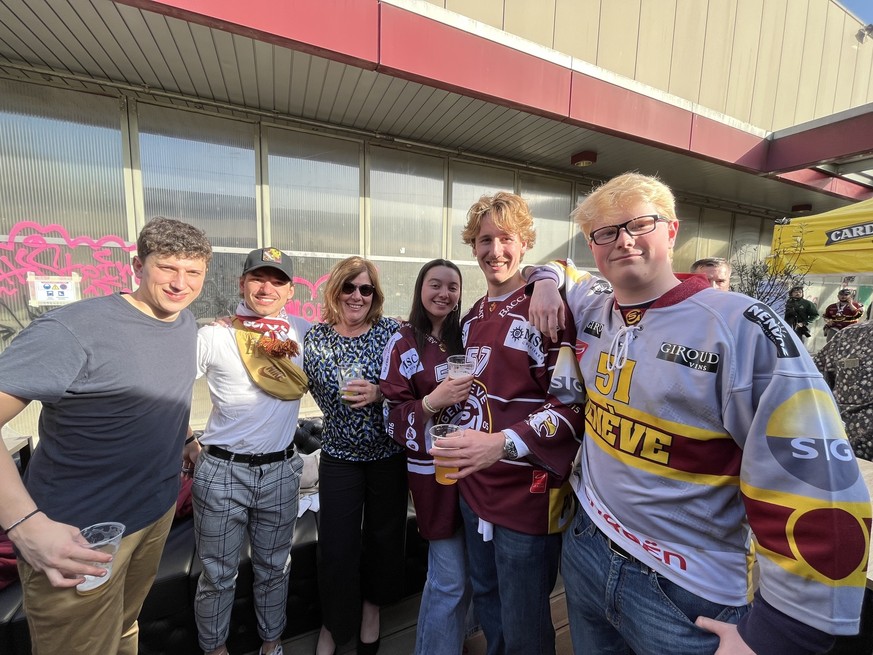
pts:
pixel 509 449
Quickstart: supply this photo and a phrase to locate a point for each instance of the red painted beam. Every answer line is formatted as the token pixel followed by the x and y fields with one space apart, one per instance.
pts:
pixel 343 30
pixel 606 107
pixel 813 179
pixel 721 142
pixel 822 144
pixel 433 53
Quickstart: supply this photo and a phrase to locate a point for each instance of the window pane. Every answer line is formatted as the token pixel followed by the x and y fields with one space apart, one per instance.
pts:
pixel 62 209
pixel 550 203
pixel 469 183
pixel 314 192
pixel 406 201
pixel 580 253
pixel 200 169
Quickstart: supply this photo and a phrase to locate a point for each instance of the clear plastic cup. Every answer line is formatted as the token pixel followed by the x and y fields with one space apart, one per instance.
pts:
pixel 444 431
pixel 105 537
pixel 459 366
pixel 345 373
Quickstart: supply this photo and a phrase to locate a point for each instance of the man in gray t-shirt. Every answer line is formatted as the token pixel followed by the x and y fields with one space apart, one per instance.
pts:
pixel 114 375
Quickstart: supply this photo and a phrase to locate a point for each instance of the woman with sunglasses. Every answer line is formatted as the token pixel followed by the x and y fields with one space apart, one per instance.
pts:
pixel 362 477
pixel 420 394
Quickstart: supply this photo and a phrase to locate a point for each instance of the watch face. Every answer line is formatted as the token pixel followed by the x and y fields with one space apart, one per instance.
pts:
pixel 509 449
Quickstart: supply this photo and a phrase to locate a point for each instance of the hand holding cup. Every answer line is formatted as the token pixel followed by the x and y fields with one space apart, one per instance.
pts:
pixel 106 538
pixel 444 431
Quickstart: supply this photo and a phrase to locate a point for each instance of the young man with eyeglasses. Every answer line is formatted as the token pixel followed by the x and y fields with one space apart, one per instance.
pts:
pixel 247 477
pixel 706 423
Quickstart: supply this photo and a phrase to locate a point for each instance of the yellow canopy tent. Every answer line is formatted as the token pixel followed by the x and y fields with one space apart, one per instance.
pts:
pixel 838 241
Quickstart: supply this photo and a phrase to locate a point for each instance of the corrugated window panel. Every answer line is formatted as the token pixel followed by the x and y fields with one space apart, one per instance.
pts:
pixel 314 184
pixel 550 202
pixel 469 183
pixel 200 169
pixel 60 161
pixel 406 200
pixel 61 196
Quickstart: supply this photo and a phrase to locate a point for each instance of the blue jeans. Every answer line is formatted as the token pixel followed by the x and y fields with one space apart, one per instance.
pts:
pixel 445 599
pixel 618 606
pixel 512 577
pixel 231 500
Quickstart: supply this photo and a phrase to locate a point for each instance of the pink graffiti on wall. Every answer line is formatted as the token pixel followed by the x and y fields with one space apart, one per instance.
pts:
pixel 27 250
pixel 308 308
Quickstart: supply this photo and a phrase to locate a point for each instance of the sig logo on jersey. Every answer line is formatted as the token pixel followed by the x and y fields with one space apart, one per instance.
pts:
pixel 811 444
pixel 774 329
pixel 699 360
pixel 565 384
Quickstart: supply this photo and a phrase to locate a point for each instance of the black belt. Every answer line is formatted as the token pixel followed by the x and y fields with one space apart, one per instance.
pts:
pixel 251 460
pixel 615 548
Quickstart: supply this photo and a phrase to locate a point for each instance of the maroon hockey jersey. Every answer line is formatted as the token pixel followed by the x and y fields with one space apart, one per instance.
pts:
pixel 528 385
pixel 407 376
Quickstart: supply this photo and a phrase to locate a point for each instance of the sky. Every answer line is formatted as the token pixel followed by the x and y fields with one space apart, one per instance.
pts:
pixel 863 9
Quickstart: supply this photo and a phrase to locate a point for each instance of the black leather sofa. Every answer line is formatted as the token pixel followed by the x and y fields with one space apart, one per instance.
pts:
pixel 167 618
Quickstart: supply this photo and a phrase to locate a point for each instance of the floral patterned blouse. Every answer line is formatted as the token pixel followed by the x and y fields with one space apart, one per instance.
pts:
pixel 357 435
pixel 848 357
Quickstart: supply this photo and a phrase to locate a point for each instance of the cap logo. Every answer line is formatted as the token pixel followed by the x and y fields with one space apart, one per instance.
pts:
pixel 272 255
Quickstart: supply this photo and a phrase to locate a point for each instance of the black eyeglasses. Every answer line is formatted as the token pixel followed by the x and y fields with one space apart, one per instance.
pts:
pixel 365 289
pixel 635 227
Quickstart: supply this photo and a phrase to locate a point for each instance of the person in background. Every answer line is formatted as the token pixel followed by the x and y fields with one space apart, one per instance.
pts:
pixel 846 361
pixel 515 456
pixel 799 313
pixel 247 477
pixel 419 394
pixel 716 269
pixel 114 375
pixel 842 314
pixel 707 426
pixel 362 474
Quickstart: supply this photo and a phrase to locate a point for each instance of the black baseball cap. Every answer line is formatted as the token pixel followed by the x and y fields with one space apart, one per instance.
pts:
pixel 269 257
pixel 845 292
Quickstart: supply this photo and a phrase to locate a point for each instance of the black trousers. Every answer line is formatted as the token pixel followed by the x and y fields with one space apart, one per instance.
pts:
pixel 361 538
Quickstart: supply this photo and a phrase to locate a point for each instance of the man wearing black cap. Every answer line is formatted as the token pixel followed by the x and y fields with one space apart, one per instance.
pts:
pixel 842 314
pixel 799 313
pixel 247 476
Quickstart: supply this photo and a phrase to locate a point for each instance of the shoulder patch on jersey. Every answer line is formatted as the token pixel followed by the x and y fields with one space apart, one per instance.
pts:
pixel 410 363
pixel 523 336
pixel 774 329
pixel 699 360
pixel 805 435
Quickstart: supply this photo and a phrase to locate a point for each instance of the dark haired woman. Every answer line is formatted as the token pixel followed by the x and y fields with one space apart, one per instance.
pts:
pixel 361 476
pixel 420 394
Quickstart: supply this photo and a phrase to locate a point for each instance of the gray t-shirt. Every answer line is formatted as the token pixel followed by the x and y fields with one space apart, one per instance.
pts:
pixel 116 391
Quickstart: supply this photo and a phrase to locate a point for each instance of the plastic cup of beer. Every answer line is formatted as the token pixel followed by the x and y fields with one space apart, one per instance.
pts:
pixel 459 366
pixel 345 373
pixel 444 431
pixel 105 537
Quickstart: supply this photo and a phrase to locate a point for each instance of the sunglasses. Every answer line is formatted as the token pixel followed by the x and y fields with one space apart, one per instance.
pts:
pixel 365 289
